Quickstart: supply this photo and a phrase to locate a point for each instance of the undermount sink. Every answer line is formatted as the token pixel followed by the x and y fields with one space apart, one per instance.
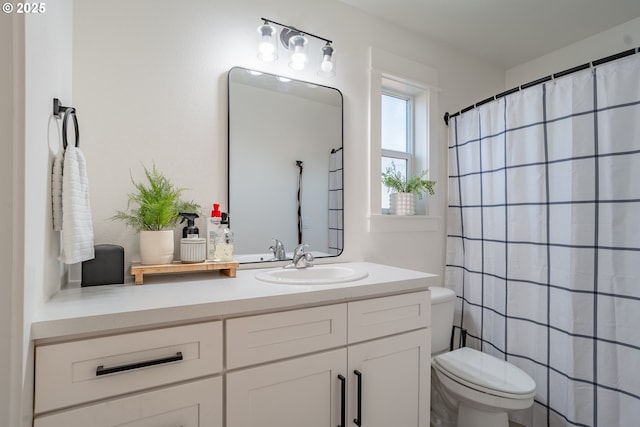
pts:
pixel 316 275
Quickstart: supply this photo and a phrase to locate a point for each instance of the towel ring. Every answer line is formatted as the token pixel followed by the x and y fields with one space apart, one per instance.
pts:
pixel 70 111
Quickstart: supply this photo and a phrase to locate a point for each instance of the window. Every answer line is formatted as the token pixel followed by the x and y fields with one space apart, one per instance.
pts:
pixel 403 132
pixel 396 137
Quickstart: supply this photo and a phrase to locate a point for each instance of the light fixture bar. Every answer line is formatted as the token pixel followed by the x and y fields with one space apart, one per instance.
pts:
pixel 296 41
pixel 269 21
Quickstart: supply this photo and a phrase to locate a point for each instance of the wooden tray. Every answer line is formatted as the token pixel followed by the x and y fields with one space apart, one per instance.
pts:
pixel 226 268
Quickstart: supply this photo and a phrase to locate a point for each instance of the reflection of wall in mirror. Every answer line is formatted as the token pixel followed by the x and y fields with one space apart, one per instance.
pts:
pixel 269 132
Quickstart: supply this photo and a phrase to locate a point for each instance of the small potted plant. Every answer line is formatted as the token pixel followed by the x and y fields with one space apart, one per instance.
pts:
pixel 154 211
pixel 402 200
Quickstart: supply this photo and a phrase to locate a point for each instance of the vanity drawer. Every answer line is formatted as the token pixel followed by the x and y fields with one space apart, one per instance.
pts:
pixel 379 317
pixel 194 404
pixel 81 371
pixel 268 337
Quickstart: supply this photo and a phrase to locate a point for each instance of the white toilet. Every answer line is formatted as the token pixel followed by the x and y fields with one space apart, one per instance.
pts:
pixel 484 388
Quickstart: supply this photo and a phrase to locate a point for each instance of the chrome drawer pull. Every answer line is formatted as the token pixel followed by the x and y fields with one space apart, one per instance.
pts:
pixel 101 370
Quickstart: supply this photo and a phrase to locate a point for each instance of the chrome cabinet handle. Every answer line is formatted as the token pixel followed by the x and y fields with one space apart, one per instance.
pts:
pixel 101 370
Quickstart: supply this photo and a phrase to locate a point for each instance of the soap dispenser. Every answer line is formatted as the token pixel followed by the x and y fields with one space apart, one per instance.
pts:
pixel 213 229
pixel 224 241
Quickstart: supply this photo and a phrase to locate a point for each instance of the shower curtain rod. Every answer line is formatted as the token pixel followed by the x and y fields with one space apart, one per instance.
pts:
pixel 595 63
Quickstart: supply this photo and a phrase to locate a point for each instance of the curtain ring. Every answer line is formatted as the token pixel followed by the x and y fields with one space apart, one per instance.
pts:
pixel 70 111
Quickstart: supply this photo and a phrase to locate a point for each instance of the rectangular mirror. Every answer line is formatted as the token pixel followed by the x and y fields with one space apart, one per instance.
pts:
pixel 285 165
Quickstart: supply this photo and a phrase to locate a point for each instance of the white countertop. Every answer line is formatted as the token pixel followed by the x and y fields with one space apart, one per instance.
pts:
pixel 188 297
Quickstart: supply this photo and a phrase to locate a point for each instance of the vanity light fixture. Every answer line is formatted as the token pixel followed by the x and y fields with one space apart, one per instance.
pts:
pixel 297 42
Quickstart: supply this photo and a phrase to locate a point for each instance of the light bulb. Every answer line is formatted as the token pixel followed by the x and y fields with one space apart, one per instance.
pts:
pixel 266 49
pixel 298 60
pixel 299 55
pixel 327 65
pixel 266 46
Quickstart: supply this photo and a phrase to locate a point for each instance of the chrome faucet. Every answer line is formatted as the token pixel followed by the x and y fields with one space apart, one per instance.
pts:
pixel 301 259
pixel 279 253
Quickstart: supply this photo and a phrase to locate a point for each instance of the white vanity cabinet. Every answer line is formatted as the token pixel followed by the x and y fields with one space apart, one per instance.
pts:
pixel 169 376
pixel 390 363
pixel 394 375
pixel 237 353
pixel 309 362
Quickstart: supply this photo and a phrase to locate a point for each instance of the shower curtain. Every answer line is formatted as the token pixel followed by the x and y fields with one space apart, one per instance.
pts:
pixel 543 245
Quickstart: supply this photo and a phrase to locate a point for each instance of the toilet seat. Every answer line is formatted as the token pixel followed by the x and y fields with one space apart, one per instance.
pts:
pixel 485 373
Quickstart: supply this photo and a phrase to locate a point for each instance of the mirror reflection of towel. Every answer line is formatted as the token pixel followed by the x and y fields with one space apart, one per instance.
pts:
pixel 77 227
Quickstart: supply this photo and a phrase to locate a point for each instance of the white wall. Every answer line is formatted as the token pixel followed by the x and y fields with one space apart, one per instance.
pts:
pixel 47 42
pixel 36 66
pixel 609 42
pixel 48 47
pixel 150 84
pixel 11 296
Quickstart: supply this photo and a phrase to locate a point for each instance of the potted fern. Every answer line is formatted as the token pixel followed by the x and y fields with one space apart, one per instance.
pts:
pixel 402 200
pixel 154 210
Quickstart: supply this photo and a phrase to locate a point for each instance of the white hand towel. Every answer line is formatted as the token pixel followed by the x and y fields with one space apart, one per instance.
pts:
pixel 77 228
pixel 56 190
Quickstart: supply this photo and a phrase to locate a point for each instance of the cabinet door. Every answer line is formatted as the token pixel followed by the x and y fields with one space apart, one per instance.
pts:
pixel 194 404
pixel 395 379
pixel 305 391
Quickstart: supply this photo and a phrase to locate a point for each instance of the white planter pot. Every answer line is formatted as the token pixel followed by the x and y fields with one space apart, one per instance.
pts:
pixel 402 203
pixel 156 247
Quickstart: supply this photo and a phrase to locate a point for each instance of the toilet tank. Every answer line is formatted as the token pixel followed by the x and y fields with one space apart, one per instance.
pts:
pixel 442 304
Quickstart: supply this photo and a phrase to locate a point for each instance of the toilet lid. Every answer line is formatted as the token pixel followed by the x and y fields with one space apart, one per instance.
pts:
pixel 486 371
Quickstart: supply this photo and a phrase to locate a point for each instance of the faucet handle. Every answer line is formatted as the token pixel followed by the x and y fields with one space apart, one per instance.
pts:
pixel 278 244
pixel 302 259
pixel 278 250
pixel 299 250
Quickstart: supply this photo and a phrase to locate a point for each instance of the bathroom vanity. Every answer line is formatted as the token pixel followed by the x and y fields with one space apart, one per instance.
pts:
pixel 237 352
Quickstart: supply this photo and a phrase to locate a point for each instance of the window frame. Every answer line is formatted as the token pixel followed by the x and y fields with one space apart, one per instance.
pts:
pixel 389 72
pixel 408 154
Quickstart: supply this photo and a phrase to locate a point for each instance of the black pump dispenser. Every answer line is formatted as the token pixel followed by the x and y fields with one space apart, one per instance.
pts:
pixel 190 230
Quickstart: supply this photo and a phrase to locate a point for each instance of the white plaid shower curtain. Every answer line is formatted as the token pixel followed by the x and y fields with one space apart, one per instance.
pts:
pixel 543 246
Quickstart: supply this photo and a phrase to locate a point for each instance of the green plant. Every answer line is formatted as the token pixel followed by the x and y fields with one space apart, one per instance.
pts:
pixel 155 205
pixel 398 183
